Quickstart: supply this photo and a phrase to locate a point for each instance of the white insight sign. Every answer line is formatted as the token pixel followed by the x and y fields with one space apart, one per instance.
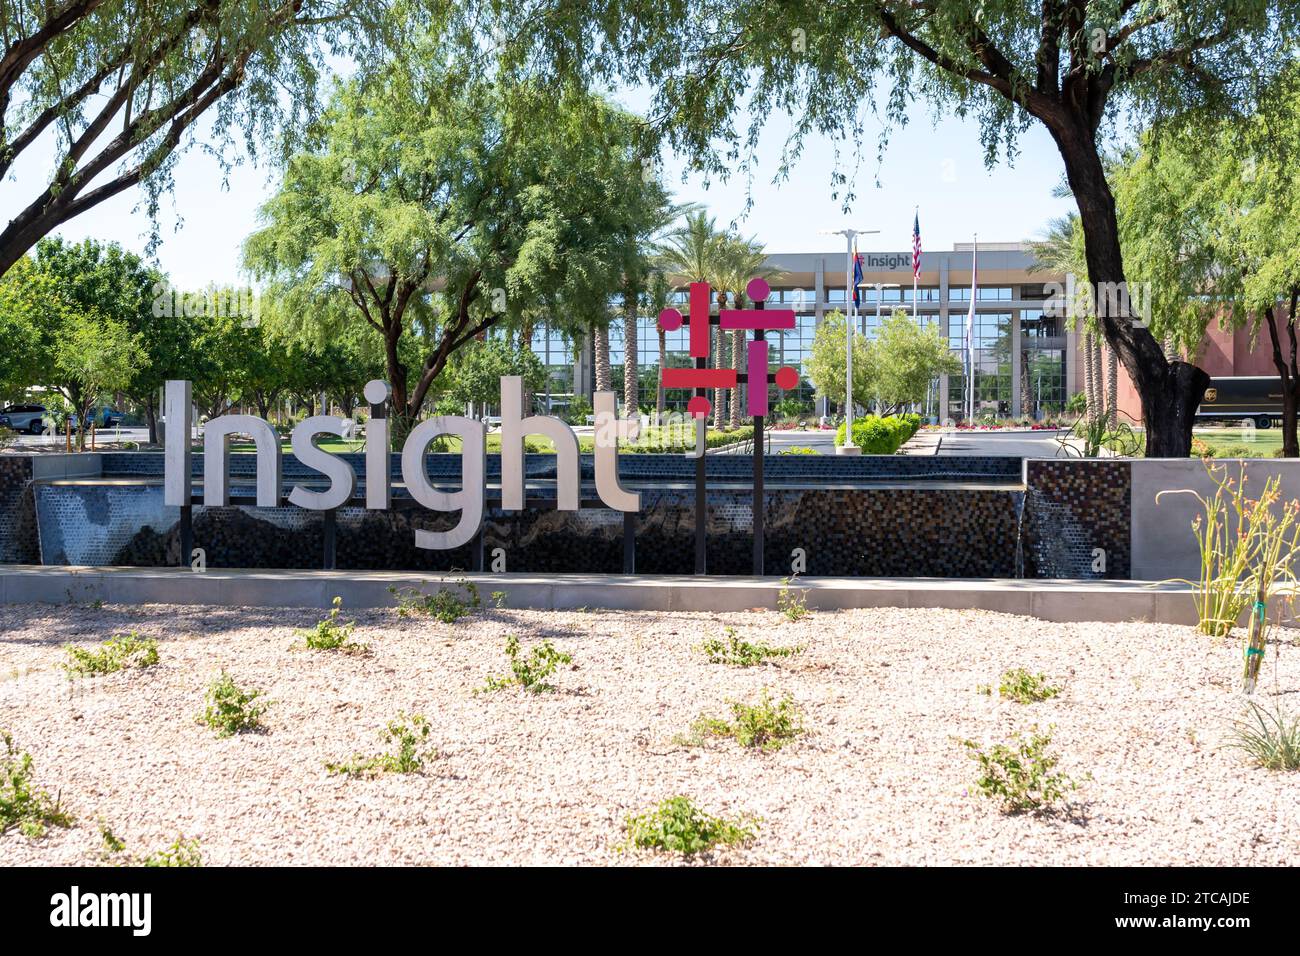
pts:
pixel 470 500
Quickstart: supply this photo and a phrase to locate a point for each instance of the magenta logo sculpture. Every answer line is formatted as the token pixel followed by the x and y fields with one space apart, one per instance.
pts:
pixel 758 320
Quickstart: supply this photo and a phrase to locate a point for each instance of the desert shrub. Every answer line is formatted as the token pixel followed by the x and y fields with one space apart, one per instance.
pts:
pixel 1271 738
pixel 409 734
pixel 678 826
pixel 230 709
pixel 22 803
pixel 1020 775
pixel 182 852
pixel 1023 687
pixel 529 672
pixel 330 635
pixel 765 725
pixel 116 653
pixel 734 652
pixel 799 451
pixel 792 602
pixel 448 605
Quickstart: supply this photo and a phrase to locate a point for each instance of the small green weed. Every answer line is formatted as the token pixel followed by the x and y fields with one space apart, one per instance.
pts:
pixel 1021 775
pixel 734 652
pixel 1022 687
pixel 529 672
pixel 791 601
pixel 1271 738
pixel 765 725
pixel 22 804
pixel 498 599
pixel 182 852
pixel 230 709
pixel 330 635
pixel 109 840
pixel 409 734
pixel 448 605
pixel 678 826
pixel 118 652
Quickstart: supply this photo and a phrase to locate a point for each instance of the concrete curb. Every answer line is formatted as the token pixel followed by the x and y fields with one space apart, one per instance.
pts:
pixel 1053 600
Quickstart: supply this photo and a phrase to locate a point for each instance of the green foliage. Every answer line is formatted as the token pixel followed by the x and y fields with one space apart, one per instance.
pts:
pixel 330 635
pixel 578 411
pixel 498 599
pixel 799 451
pixel 1077 404
pixel 447 605
pixel 678 826
pixel 109 841
pixel 881 436
pixel 22 804
pixel 1023 687
pixel 409 734
pixel 230 709
pixel 791 601
pixel 116 653
pixel 1020 775
pixel 906 358
pixel 529 672
pixel 766 725
pixel 476 372
pixel 733 651
pixel 182 852
pixel 439 168
pixel 1271 738
pixel 825 367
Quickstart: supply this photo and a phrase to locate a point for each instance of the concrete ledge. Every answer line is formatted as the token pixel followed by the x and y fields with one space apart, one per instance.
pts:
pixel 1053 600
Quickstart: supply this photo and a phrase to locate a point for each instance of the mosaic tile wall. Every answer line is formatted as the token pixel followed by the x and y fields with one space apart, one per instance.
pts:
pixel 1073 507
pixel 18 536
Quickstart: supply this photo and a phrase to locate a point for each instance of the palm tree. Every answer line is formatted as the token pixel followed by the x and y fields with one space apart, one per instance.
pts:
pixel 693 253
pixel 742 260
pixel 604 377
pixel 1112 389
pixel 1061 249
pixel 658 295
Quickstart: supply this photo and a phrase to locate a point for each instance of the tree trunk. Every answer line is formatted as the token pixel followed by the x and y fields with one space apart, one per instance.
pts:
pixel 151 418
pixel 1026 387
pixel 737 357
pixel 1289 375
pixel 1169 391
pixel 604 378
pixel 660 403
pixel 719 361
pixel 1089 380
pixel 631 386
pixel 1112 389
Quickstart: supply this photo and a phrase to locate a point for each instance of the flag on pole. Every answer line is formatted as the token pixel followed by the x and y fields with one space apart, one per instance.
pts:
pixel 916 257
pixel 970 331
pixel 916 247
pixel 857 275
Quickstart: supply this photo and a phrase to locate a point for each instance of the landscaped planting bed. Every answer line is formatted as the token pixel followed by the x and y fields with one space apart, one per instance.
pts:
pixel 855 737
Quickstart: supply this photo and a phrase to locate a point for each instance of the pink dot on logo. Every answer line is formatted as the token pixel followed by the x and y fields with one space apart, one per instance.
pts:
pixel 787 378
pixel 758 289
pixel 670 320
pixel 699 405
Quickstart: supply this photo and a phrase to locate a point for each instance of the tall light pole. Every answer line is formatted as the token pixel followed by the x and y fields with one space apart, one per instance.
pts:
pixel 848 448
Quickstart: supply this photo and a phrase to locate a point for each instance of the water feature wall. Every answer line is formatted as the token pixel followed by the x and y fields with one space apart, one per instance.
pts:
pixel 870 515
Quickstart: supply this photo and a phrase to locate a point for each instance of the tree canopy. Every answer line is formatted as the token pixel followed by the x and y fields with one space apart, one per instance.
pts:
pixel 117 86
pixel 433 206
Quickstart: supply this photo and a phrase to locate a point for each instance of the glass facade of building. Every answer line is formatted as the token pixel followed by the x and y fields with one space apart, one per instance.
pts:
pixel 1022 374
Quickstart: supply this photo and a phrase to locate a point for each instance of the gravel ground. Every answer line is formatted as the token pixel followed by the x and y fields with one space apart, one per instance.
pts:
pixel 548 779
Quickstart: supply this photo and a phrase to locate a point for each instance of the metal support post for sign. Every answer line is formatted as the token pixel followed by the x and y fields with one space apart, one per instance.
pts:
pixel 629 542
pixel 701 493
pixel 758 507
pixel 329 536
pixel 187 534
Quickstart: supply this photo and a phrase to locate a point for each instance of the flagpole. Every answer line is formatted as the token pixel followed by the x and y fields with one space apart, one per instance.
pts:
pixel 848 448
pixel 970 329
pixel 915 273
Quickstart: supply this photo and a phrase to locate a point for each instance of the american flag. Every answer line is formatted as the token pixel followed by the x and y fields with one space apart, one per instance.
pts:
pixel 916 246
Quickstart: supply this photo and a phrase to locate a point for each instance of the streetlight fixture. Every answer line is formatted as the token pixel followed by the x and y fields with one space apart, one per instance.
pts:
pixel 848 448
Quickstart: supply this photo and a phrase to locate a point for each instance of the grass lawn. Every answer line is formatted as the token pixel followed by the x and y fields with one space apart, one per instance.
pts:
pixel 1262 443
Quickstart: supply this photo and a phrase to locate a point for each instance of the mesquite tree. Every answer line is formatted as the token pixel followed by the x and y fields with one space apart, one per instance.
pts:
pixel 1071 65
pixel 431 205
pixel 115 87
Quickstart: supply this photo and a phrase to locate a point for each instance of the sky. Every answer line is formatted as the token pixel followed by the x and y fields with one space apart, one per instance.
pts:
pixel 935 169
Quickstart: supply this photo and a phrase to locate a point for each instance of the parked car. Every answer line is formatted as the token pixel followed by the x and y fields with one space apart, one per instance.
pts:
pixel 24 418
pixel 104 417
